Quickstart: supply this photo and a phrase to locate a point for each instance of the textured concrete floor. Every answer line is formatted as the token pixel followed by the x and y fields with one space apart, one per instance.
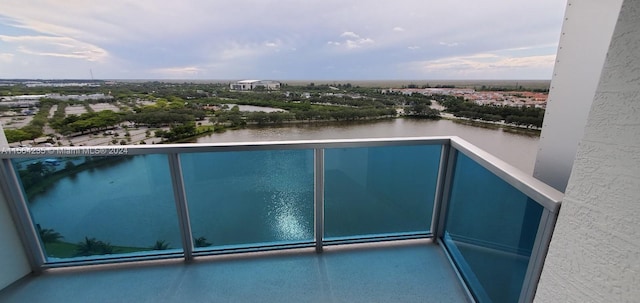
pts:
pixel 408 271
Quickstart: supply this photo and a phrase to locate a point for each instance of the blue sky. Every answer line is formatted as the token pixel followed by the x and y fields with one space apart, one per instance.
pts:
pixel 279 39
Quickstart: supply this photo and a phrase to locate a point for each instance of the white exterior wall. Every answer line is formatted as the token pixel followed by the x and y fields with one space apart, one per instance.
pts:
pixel 13 261
pixel 586 33
pixel 595 251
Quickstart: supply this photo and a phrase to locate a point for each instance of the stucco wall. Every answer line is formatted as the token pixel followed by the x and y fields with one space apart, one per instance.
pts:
pixel 595 250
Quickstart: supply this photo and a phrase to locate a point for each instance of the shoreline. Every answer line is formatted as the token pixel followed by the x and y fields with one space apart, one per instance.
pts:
pixel 493 125
pixel 191 139
pixel 474 123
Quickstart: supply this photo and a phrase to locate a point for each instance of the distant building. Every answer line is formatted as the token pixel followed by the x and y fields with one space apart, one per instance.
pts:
pixel 252 84
pixel 99 96
pixel 34 100
pixel 21 101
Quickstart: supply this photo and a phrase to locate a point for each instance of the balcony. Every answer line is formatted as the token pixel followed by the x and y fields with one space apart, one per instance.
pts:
pixel 411 220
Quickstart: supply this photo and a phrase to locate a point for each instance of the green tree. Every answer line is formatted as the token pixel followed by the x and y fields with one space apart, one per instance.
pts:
pixel 48 235
pixel 16 135
pixel 36 168
pixel 201 242
pixel 91 246
pixel 69 165
pixel 160 245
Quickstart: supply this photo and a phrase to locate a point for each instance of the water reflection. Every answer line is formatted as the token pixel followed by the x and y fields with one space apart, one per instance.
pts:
pixel 242 198
pixel 288 223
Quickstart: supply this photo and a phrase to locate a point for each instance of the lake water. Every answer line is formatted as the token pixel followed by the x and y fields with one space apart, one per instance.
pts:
pixel 245 198
pixel 516 149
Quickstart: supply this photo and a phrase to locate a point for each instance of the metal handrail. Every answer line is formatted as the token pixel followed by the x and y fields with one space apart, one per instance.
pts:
pixel 547 196
pixel 123 150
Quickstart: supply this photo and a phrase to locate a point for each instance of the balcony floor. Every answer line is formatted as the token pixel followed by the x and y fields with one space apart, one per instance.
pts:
pixel 401 271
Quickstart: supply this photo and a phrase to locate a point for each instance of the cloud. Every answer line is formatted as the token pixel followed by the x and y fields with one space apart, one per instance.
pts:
pixel 526 62
pixel 489 61
pixel 55 47
pixel 237 50
pixel 131 38
pixel 352 41
pixel 351 44
pixel 485 64
pixel 448 43
pixel 350 35
pixel 178 72
pixel 6 57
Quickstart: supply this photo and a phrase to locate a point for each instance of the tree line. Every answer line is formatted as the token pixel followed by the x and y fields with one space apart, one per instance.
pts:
pixel 523 116
pixel 236 118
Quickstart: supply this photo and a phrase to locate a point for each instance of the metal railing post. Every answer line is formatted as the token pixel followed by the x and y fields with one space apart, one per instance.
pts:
pixel 318 198
pixel 180 198
pixel 538 255
pixel 440 182
pixel 452 154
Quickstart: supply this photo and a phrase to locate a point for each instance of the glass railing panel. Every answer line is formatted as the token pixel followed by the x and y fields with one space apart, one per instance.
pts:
pixel 490 231
pixel 377 191
pixel 88 208
pixel 253 198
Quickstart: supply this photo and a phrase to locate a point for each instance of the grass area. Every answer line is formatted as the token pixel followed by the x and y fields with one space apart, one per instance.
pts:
pixel 68 250
pixel 200 129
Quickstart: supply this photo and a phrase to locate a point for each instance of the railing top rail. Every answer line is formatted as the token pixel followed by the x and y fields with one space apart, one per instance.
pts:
pixel 547 196
pixel 122 150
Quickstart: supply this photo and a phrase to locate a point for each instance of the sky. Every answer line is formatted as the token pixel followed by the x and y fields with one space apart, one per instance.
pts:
pixel 279 39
